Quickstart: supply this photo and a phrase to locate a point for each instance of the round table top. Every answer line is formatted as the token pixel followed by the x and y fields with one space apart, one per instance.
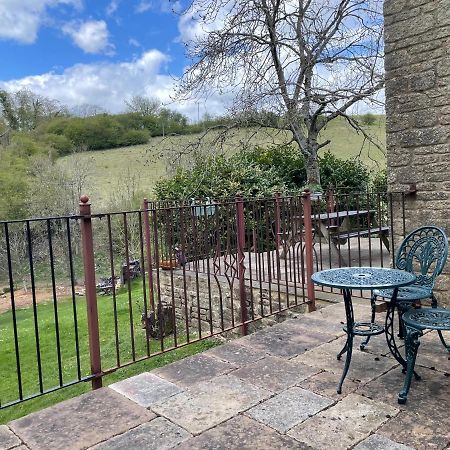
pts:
pixel 365 278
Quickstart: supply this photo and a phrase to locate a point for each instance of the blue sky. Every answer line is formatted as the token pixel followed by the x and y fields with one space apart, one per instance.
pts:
pixel 98 52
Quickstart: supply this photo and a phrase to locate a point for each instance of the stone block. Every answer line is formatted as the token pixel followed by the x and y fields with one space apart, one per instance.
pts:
pixel 194 369
pixel 325 383
pixel 275 374
pixel 284 342
pixel 158 434
pixel 146 389
pixel 208 404
pixel 241 433
pixel 289 408
pixel 376 442
pixel 80 422
pixel 8 439
pixel 364 366
pixel 344 424
pixel 236 354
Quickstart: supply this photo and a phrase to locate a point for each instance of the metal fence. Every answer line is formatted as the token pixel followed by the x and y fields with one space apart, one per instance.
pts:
pixel 85 295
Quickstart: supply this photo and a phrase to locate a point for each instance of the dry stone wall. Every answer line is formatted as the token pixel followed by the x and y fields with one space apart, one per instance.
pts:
pixel 417 63
pixel 201 301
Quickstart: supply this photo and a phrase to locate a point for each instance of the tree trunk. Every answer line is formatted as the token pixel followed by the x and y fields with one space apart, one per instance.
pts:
pixel 312 169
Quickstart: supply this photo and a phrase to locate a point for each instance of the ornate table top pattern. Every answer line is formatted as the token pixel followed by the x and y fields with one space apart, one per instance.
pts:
pixel 365 278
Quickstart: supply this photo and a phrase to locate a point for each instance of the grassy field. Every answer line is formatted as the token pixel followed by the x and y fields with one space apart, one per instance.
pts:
pixel 48 347
pixel 137 168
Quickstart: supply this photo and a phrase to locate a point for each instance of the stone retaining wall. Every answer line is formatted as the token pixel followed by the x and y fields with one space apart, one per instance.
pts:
pixel 417 38
pixel 216 299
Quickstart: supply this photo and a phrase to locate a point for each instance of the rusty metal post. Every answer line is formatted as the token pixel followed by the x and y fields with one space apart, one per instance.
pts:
pixel 277 220
pixel 148 250
pixel 240 232
pixel 307 222
pixel 87 243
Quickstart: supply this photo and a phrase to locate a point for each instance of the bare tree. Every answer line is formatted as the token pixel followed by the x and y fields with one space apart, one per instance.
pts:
pixel 25 110
pixel 308 61
pixel 143 105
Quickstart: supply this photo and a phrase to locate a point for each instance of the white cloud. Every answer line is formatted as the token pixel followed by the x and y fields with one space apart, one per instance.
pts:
pixel 143 6
pixel 21 20
pixel 110 84
pixel 91 36
pixel 112 7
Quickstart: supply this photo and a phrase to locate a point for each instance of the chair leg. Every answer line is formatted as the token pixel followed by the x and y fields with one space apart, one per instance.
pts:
pixel 412 344
pixel 433 301
pixel 363 344
pixel 349 348
pixel 441 337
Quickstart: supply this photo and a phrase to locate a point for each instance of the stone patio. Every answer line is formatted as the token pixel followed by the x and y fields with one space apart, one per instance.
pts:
pixel 274 389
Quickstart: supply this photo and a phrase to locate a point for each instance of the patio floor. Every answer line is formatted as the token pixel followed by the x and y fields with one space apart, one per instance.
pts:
pixel 274 389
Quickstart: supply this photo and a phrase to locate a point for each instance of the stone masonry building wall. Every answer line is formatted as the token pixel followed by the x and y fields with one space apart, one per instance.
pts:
pixel 417 63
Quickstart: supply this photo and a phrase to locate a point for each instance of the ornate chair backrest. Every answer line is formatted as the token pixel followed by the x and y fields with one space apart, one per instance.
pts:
pixel 423 252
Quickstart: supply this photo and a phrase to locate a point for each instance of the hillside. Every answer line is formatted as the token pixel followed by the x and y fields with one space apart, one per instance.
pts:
pixel 136 168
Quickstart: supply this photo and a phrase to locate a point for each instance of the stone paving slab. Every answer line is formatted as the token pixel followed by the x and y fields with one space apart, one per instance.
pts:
pixel 80 422
pixel 325 384
pixel 345 424
pixel 236 354
pixel 7 438
pixel 208 404
pixel 284 342
pixel 364 366
pixel 289 408
pixel 241 433
pixel 336 313
pixel 424 421
pixel 274 373
pixel 427 397
pixel 378 442
pixel 146 389
pixel 316 323
pixel 158 434
pixel 421 432
pixel 194 369
pixel 432 353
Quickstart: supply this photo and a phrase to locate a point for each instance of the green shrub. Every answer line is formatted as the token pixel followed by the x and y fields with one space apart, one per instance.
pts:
pixel 343 174
pixel 134 137
pixel 368 119
pixel 60 143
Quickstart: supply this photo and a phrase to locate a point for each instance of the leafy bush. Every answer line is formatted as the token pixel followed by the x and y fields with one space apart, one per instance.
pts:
pixel 379 180
pixel 58 142
pixel 259 172
pixel 368 119
pixel 343 174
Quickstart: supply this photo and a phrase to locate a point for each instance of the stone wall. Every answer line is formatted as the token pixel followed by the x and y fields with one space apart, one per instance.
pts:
pixel 417 38
pixel 198 300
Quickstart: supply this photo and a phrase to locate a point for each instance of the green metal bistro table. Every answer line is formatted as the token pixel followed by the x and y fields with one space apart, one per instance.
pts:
pixel 365 278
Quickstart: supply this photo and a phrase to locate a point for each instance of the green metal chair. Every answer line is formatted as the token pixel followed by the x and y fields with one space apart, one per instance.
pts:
pixel 415 322
pixel 423 252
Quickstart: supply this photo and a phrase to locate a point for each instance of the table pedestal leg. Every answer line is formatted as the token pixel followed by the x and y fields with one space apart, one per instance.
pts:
pixel 348 347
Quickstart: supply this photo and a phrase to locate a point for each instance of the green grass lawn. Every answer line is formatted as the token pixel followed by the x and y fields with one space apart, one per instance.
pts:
pixel 139 167
pixel 48 346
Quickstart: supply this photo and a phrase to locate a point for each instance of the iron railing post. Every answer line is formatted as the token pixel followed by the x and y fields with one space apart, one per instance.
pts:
pixel 148 249
pixel 240 231
pixel 87 243
pixel 307 222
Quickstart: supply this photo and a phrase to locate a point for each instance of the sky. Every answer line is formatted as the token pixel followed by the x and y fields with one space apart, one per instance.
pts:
pixel 97 52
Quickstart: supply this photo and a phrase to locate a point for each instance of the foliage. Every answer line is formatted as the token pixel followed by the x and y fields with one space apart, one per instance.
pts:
pixel 343 174
pixel 14 183
pixel 368 119
pixel 379 180
pixel 259 172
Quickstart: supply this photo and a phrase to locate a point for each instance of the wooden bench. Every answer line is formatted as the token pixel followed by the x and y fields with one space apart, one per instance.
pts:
pixel 383 232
